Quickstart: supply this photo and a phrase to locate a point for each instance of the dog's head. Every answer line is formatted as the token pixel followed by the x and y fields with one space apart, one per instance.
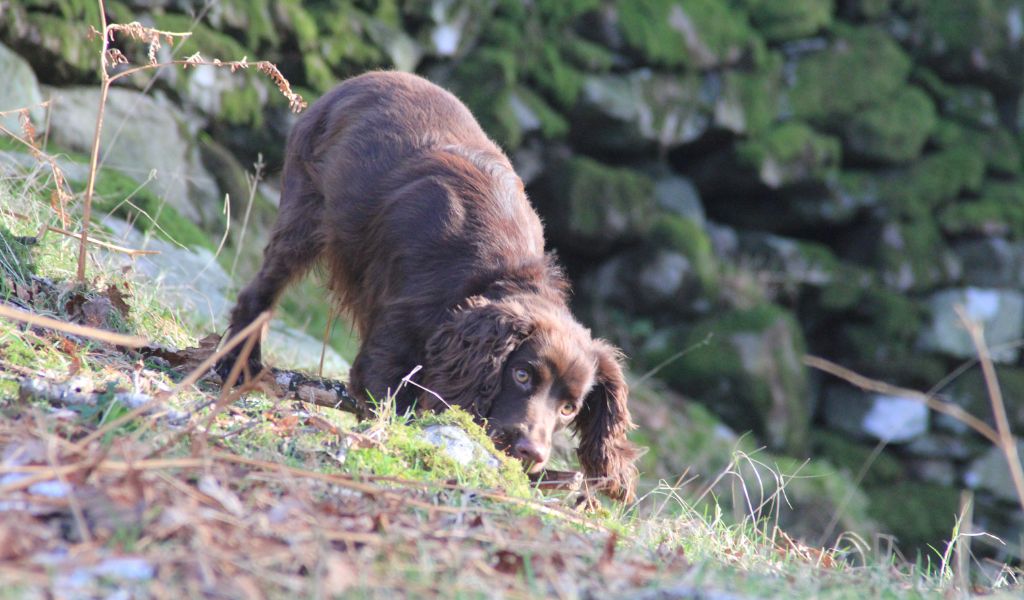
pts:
pixel 528 369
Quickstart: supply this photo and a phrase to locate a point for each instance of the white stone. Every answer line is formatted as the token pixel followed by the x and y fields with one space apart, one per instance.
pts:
pixel 457 444
pixel 999 311
pixel 895 419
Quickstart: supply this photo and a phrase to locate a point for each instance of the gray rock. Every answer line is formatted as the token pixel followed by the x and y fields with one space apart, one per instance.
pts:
pixel 937 445
pixel 529 160
pixel 405 53
pixel 193 281
pixel 724 240
pixel 1000 312
pixel 140 133
pixel 20 90
pixel 894 419
pixel 455 24
pixel 205 87
pixel 840 200
pixel 991 262
pixel 642 109
pixel 969 103
pixel 679 196
pixel 457 444
pixel 644 280
pixel 744 365
pixel 931 470
pixel 787 259
pixel 17 163
pixel 660 278
pixel 590 205
pixel 990 472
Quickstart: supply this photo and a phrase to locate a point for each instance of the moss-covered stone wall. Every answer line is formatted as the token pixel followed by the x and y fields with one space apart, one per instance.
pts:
pixel 731 183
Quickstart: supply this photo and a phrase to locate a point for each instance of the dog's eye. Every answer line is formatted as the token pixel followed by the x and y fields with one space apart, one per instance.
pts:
pixel 521 375
pixel 567 409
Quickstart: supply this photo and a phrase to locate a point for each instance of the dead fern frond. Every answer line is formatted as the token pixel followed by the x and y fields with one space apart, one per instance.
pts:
pixel 147 35
pixel 295 101
pixel 115 57
pixel 61 195
pixel 29 130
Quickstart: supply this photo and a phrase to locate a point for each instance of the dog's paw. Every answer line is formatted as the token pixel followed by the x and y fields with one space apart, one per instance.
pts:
pixel 224 366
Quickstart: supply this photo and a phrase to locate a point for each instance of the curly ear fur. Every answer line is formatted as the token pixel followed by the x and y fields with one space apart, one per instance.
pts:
pixel 602 425
pixel 466 354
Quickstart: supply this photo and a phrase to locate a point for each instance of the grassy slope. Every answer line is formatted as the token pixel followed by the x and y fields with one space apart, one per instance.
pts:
pixel 281 499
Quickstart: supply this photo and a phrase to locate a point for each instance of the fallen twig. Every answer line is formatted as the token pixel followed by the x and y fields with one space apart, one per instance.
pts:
pixel 319 391
pixel 130 341
pixel 873 385
pixel 101 244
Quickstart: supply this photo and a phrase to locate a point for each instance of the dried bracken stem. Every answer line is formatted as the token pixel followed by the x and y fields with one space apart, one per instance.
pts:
pixel 111 58
pixel 94 242
pixel 61 194
pixel 880 387
pixel 130 341
pixel 1006 442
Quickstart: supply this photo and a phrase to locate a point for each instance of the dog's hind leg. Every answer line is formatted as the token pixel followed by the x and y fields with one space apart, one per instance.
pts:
pixel 295 245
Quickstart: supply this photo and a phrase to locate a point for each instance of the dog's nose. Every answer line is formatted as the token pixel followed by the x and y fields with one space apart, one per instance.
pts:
pixel 529 451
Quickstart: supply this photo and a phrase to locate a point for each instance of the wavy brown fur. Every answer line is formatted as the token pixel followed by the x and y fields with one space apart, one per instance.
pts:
pixel 434 251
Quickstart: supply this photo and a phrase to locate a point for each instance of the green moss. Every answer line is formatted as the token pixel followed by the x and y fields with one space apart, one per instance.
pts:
pixel 970 391
pixel 781 21
pixel 879 337
pixel 318 75
pixel 894 131
pixel 862 66
pixel 344 43
pixel 593 204
pixel 62 44
pixel 996 147
pixel 119 12
pixel 86 11
pixel 999 210
pixel 406 454
pixel 893 316
pixel 688 33
pixel 113 188
pixel 16 263
pixel 852 457
pixel 789 153
pixel 931 181
pixel 242 106
pixel 954 35
pixel 756 93
pixel 208 42
pixel 920 515
pixel 744 365
pixel 254 20
pixel 504 119
pixel 534 55
pixel 819 490
pixel 866 9
pixel 688 238
pixel 909 257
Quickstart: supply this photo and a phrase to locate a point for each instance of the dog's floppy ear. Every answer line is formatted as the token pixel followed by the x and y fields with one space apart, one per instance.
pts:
pixel 602 425
pixel 465 355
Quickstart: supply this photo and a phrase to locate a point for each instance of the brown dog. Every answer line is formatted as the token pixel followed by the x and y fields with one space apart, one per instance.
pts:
pixel 434 251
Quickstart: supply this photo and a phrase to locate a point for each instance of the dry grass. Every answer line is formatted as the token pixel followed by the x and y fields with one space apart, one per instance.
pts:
pixel 250 497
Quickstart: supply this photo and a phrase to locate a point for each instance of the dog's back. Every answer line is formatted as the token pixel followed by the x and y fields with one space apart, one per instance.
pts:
pixel 400 177
pixel 386 177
